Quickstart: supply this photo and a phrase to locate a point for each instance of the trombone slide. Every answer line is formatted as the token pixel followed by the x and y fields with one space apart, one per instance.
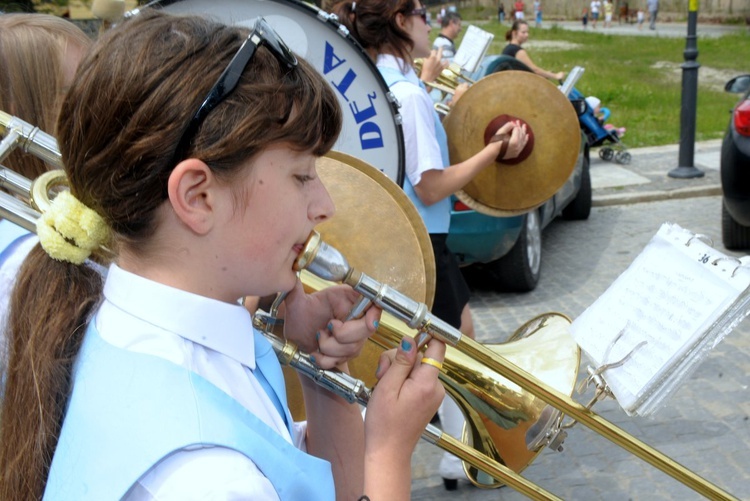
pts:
pixel 327 263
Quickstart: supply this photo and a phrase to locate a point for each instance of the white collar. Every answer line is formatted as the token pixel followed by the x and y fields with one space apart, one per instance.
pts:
pixel 222 327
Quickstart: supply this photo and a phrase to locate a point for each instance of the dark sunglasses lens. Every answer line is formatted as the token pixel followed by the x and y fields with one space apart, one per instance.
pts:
pixel 275 43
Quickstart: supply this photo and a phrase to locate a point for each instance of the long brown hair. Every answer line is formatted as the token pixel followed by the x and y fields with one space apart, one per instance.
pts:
pixel 33 49
pixel 373 24
pixel 133 95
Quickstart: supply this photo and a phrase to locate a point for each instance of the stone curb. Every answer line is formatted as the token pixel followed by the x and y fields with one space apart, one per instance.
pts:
pixel 655 196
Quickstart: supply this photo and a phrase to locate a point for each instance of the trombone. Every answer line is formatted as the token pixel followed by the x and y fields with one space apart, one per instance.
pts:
pixel 328 264
pixel 446 82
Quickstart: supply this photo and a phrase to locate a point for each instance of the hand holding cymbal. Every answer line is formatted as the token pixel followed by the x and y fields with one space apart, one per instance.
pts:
pixel 520 182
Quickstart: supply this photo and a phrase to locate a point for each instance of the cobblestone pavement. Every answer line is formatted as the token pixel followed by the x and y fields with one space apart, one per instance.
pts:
pixel 704 426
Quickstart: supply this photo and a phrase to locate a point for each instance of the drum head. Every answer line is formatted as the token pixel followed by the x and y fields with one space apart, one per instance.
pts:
pixel 371 130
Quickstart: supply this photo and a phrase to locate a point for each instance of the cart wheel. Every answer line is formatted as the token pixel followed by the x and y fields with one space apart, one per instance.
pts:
pixel 606 154
pixel 622 157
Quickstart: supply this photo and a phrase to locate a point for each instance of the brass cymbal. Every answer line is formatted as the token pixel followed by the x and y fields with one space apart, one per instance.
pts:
pixel 523 184
pixel 380 232
pixel 377 227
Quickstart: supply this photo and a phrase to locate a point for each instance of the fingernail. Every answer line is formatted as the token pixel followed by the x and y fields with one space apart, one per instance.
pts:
pixel 377 370
pixel 330 327
pixel 317 336
pixel 312 359
pixel 405 345
pixel 375 324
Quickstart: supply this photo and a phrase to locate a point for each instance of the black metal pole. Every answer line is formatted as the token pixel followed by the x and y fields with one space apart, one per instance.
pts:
pixel 686 169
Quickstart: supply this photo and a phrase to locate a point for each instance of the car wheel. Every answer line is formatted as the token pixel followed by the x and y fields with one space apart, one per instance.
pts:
pixel 734 235
pixel 519 269
pixel 580 207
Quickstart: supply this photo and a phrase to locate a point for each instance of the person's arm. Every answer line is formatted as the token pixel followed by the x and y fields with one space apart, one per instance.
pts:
pixel 406 397
pixel 431 182
pixel 436 185
pixel 523 56
pixel 335 429
pixel 335 432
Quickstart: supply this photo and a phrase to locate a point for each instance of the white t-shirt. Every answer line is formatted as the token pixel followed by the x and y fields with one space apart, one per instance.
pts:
pixel 213 339
pixel 449 48
pixel 421 148
pixel 595 5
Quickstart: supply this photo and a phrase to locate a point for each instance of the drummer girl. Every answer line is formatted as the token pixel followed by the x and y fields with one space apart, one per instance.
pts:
pixel 394 33
pixel 190 148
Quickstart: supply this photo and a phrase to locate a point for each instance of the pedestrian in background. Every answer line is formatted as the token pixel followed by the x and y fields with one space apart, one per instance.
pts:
pixel 653 10
pixel 518 8
pixel 585 18
pixel 501 13
pixel 516 36
pixel 595 6
pixel 538 13
pixel 450 27
pixel 608 8
pixel 639 17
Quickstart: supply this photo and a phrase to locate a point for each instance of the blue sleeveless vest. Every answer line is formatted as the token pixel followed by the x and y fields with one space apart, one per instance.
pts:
pixel 128 410
pixel 436 217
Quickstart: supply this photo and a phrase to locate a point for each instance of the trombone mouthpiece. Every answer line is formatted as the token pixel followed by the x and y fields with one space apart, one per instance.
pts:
pixel 322 260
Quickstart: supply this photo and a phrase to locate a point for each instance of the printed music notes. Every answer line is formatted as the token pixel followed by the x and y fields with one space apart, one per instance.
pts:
pixel 473 47
pixel 661 316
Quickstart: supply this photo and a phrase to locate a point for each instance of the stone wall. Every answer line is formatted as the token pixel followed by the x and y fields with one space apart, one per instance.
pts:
pixel 668 9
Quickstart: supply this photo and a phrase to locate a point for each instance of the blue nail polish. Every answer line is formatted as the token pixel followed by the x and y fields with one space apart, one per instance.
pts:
pixel 405 345
pixel 330 327
pixel 317 336
pixel 376 323
pixel 312 359
pixel 377 370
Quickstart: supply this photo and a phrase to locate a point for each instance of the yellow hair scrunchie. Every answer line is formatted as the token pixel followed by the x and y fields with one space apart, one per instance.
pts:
pixel 70 231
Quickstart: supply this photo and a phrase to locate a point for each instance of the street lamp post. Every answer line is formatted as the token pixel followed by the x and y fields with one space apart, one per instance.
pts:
pixel 686 169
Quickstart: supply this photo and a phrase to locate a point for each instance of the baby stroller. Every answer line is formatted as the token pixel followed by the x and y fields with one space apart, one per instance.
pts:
pixel 595 132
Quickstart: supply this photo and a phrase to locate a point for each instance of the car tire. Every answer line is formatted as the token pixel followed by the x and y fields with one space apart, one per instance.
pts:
pixel 734 235
pixel 580 207
pixel 519 269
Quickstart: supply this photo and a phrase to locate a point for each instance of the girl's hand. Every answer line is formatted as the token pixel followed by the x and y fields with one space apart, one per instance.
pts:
pixel 432 66
pixel 405 399
pixel 313 322
pixel 513 137
pixel 403 402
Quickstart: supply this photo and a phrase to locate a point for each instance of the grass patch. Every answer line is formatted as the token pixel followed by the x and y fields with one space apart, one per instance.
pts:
pixel 639 78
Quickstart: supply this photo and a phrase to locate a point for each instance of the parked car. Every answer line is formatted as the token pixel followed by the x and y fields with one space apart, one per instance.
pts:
pixel 506 252
pixel 735 170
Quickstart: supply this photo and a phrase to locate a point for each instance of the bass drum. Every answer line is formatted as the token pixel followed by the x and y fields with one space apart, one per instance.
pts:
pixel 371 128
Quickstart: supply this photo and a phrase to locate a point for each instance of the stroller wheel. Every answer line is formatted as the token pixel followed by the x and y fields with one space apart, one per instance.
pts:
pixel 622 157
pixel 606 154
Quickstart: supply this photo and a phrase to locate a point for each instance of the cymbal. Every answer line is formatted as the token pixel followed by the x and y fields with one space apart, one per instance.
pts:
pixel 379 231
pixel 523 184
pixel 376 226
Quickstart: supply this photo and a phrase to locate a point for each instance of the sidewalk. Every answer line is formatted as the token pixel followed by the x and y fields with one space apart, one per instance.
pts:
pixel 645 179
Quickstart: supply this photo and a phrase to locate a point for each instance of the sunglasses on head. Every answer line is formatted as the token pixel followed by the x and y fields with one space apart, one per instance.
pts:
pixel 262 34
pixel 421 12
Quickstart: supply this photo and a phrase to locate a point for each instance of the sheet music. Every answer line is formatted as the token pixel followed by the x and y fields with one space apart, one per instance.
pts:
pixel 667 301
pixel 473 47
